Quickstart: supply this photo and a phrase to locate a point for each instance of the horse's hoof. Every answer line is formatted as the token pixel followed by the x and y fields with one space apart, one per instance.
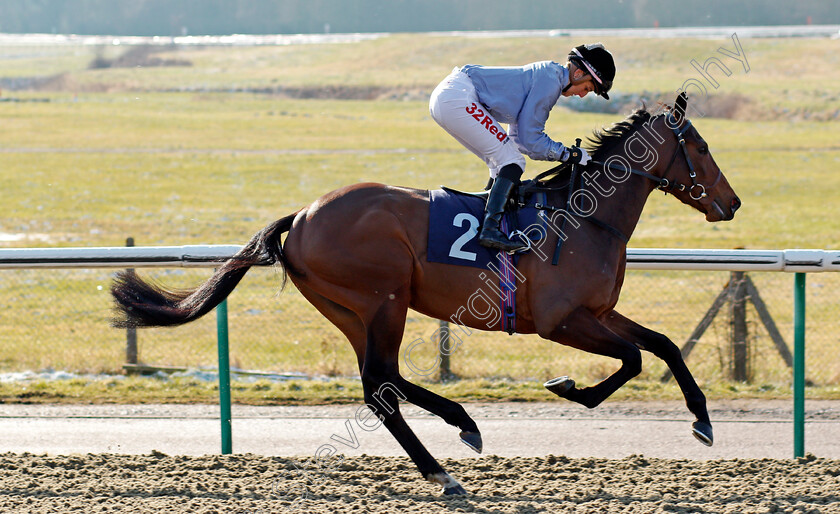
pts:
pixel 560 385
pixel 456 489
pixel 473 440
pixel 450 485
pixel 703 432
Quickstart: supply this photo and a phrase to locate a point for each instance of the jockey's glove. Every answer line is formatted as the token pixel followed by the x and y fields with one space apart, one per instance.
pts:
pixel 577 155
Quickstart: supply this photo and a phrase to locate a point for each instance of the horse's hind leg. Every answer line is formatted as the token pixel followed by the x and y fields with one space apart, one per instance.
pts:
pixel 582 330
pixel 451 412
pixel 343 318
pixel 666 350
pixel 384 387
pixel 352 327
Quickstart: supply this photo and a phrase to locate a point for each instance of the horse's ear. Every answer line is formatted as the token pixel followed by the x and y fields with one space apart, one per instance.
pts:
pixel 679 107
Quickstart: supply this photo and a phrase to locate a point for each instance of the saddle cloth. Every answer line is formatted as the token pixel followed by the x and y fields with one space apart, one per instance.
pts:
pixel 455 219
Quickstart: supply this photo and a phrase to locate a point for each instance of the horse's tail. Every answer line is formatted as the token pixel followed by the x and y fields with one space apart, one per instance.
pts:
pixel 144 304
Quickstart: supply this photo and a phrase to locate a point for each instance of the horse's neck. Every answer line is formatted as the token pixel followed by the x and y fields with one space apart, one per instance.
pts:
pixel 628 200
pixel 623 207
pixel 617 204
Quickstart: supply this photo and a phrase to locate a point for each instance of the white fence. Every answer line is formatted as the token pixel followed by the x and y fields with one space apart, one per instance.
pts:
pixel 117 257
pixel 792 261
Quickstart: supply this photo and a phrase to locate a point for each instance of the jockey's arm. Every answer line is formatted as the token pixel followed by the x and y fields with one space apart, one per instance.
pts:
pixel 529 130
pixel 536 144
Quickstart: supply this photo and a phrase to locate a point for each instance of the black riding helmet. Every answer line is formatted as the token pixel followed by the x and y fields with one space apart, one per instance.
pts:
pixel 598 62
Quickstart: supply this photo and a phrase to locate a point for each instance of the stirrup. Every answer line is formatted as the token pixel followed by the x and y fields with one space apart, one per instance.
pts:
pixel 523 238
pixel 506 245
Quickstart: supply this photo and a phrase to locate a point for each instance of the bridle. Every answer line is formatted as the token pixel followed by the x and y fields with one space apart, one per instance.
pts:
pixel 664 184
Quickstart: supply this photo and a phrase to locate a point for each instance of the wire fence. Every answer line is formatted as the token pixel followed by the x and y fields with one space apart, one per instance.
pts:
pixel 59 319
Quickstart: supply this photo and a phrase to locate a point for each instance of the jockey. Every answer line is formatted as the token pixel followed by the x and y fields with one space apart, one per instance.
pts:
pixel 472 101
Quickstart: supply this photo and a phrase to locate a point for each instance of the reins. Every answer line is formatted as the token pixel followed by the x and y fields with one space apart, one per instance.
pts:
pixel 662 183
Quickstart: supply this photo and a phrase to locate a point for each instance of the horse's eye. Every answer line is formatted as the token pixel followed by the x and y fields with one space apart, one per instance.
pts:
pixel 703 150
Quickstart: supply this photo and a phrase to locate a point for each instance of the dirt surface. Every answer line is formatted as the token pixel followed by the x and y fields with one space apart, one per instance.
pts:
pixel 252 483
pixel 539 457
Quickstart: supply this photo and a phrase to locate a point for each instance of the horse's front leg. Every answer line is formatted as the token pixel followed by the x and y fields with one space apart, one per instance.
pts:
pixel 666 350
pixel 582 330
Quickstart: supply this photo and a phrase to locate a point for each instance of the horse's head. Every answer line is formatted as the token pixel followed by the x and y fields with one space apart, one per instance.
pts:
pixel 689 171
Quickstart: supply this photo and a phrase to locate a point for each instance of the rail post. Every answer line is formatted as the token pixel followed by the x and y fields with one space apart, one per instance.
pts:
pixel 224 377
pixel 444 351
pixel 740 371
pixel 799 365
pixel 130 332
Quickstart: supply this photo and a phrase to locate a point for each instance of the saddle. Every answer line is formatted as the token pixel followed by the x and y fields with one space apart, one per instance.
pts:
pixel 529 194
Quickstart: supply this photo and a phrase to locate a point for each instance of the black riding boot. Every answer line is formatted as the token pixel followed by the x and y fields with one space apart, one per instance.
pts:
pixel 503 186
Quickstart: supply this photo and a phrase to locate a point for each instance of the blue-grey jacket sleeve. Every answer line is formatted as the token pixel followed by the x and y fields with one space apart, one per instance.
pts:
pixel 529 130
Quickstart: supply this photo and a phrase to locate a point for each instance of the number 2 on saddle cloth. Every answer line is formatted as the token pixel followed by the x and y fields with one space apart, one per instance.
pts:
pixel 454 221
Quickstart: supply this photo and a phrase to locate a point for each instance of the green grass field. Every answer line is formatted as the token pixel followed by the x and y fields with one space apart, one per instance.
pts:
pixel 170 156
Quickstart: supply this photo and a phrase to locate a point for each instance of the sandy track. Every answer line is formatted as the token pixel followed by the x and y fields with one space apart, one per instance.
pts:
pixel 251 483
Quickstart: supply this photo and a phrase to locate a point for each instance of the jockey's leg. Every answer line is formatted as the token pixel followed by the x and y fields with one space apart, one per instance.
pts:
pixel 491 236
pixel 455 106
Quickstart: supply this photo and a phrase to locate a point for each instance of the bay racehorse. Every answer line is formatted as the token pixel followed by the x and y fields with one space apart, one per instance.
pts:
pixel 358 254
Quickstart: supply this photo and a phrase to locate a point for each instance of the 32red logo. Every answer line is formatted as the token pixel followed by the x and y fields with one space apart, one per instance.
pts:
pixel 486 122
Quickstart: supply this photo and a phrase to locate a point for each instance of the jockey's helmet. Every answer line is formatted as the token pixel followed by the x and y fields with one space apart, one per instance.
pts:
pixel 598 62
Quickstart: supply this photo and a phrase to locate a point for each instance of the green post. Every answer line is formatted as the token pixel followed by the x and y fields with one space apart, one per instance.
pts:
pixel 799 366
pixel 224 377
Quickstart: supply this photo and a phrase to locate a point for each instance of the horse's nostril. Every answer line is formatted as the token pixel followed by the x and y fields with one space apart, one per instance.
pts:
pixel 735 204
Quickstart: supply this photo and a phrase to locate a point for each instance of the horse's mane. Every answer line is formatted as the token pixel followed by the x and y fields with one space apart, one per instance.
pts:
pixel 605 139
pixel 599 144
